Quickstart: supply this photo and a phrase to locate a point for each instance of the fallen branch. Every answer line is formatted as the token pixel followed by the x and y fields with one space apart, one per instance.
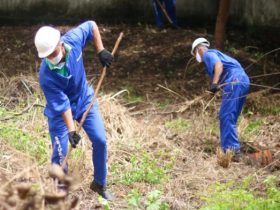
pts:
pixel 187 104
pixel 264 75
pixel 171 91
pixel 187 66
pixel 277 49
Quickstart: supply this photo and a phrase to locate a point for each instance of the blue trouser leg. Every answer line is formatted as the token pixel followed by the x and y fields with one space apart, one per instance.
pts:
pixel 95 130
pixel 158 13
pixel 233 99
pixel 59 137
pixel 170 6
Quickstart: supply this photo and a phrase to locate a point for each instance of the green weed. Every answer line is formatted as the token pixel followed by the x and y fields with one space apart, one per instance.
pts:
pixel 134 198
pixel 152 201
pixel 36 147
pixel 239 196
pixel 144 169
pixel 178 124
pixel 104 203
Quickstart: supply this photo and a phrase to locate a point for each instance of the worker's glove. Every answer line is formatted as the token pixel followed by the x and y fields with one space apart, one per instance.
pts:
pixel 105 57
pixel 214 88
pixel 74 138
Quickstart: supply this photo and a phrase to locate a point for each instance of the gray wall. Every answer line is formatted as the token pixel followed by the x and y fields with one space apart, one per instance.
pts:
pixel 256 12
pixel 249 12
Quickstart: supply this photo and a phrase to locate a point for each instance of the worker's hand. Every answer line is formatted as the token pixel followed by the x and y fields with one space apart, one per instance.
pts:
pixel 74 138
pixel 105 57
pixel 214 88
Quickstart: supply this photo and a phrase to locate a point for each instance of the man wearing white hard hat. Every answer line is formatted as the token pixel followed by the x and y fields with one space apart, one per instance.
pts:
pixel 228 75
pixel 63 81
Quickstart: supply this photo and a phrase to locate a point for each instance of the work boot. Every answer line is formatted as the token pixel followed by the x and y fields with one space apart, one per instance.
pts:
pixel 101 190
pixel 236 156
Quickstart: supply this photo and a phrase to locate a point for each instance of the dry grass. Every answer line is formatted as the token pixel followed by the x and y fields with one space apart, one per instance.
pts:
pixel 224 159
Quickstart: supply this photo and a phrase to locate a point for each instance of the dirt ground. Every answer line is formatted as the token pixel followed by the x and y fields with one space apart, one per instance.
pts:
pixel 155 67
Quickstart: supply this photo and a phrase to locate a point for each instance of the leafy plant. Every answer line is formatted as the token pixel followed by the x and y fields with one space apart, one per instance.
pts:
pixel 152 201
pixel 134 199
pixel 104 203
pixel 144 169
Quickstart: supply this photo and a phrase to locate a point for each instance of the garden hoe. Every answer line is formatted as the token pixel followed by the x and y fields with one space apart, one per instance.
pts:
pixel 93 99
pixel 164 12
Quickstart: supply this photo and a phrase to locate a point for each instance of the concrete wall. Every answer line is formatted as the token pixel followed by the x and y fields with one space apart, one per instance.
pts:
pixel 256 12
pixel 251 12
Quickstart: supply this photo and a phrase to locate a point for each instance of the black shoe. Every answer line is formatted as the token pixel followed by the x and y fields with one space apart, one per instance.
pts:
pixel 101 190
pixel 236 156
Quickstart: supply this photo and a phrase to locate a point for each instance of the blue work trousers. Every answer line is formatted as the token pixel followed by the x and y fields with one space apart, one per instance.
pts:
pixel 95 130
pixel 233 98
pixel 170 7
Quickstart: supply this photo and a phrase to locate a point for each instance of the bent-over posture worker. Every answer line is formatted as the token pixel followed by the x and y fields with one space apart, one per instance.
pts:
pixel 228 75
pixel 170 7
pixel 63 81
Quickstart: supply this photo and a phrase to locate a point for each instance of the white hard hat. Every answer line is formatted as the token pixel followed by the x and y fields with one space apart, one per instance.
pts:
pixel 46 40
pixel 199 41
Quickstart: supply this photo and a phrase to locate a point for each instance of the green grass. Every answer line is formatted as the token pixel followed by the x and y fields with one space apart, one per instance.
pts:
pixel 239 196
pixel 142 169
pixel 23 141
pixel 253 127
pixel 178 124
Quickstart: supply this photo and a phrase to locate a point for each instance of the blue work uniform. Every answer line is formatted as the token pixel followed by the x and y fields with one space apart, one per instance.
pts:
pixel 71 91
pixel 235 87
pixel 170 6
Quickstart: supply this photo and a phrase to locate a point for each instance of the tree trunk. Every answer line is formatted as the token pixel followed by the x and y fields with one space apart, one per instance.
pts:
pixel 220 29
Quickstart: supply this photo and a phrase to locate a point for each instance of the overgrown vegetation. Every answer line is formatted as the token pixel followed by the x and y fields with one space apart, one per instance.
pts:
pixel 23 141
pixel 240 196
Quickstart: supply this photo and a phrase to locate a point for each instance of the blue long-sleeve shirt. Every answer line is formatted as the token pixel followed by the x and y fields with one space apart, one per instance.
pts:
pixel 73 90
